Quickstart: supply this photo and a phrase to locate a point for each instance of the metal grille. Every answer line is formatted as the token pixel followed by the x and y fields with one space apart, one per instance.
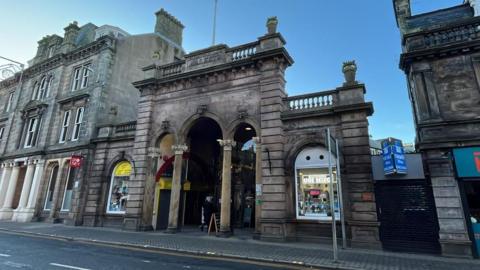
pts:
pixel 407 216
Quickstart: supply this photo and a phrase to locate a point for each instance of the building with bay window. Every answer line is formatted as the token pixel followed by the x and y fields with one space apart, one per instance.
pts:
pixel 51 112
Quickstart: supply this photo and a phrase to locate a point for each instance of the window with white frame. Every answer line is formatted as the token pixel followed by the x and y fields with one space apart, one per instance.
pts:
pixel 42 88
pixel 312 182
pixel 2 130
pixel 9 102
pixel 78 123
pixel 85 75
pixel 65 124
pixel 81 77
pixel 36 88
pixel 32 132
pixel 76 79
pixel 51 51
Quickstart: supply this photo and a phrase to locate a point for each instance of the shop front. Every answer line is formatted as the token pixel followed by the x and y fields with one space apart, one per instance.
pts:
pixel 467 164
pixel 313 185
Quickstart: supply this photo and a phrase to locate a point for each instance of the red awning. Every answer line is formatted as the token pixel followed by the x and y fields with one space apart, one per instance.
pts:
pixel 168 162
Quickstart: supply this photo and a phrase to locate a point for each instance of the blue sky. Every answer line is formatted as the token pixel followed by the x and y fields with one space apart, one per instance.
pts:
pixel 320 35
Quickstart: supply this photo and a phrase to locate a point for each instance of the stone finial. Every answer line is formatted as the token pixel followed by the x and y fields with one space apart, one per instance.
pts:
pixel 272 23
pixel 350 72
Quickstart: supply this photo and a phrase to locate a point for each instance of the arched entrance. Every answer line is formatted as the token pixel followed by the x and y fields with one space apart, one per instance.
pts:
pixel 243 177
pixel 163 179
pixel 203 167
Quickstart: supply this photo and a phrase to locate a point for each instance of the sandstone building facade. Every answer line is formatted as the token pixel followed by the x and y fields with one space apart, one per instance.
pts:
pixel 440 58
pixel 51 112
pixel 215 123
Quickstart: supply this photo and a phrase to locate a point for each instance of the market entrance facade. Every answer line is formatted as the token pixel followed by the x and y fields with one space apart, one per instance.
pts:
pixel 218 124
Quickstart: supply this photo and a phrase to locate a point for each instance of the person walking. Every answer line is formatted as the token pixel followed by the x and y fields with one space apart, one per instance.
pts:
pixel 207 210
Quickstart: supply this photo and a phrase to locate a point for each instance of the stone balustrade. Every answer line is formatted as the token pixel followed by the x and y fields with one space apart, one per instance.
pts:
pixel 243 52
pixel 468 30
pixel 217 55
pixel 314 101
pixel 170 69
pixel 131 126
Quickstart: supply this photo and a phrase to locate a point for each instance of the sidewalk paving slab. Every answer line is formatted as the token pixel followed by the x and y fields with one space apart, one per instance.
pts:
pixel 296 253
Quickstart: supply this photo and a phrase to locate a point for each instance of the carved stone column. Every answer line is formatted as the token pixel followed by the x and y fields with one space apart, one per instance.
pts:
pixel 27 184
pixel 226 186
pixel 7 171
pixel 6 212
pixel 258 182
pixel 37 177
pixel 176 188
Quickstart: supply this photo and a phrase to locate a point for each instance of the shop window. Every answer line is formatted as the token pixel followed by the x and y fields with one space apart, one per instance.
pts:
pixel 118 192
pixel 50 189
pixel 312 182
pixel 67 195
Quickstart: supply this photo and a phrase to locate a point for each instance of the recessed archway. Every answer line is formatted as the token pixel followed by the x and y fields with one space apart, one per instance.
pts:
pixel 202 169
pixel 243 176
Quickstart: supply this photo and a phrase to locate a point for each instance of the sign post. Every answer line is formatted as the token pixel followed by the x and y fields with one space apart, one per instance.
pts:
pixel 340 199
pixel 332 198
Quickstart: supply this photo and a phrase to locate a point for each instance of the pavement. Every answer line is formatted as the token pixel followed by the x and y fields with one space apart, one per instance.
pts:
pixel 243 248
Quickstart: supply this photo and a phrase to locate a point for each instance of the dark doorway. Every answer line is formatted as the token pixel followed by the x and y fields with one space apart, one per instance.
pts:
pixel 408 221
pixel 243 177
pixel 203 168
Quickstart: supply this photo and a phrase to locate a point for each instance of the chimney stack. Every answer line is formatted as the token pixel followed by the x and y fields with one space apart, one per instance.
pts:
pixel 169 27
pixel 402 12
pixel 71 33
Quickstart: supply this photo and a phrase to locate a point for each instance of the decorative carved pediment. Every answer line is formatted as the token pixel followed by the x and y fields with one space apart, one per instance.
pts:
pixel 34 107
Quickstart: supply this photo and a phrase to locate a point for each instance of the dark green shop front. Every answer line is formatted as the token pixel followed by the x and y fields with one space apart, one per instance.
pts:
pixel 467 163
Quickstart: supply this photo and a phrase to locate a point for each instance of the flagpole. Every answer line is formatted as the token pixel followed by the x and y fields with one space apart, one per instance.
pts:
pixel 340 198
pixel 214 22
pixel 332 199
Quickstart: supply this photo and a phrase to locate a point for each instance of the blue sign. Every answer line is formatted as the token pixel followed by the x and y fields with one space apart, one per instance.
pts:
pixel 388 163
pixel 393 157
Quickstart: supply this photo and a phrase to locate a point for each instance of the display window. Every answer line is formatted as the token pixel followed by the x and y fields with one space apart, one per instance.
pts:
pixel 313 198
pixel 118 193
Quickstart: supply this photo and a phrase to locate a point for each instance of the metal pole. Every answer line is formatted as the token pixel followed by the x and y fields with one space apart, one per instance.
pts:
pixel 332 199
pixel 214 22
pixel 18 63
pixel 340 198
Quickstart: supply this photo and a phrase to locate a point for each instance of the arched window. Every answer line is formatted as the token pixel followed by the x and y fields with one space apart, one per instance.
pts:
pixel 36 86
pixel 312 183
pixel 118 192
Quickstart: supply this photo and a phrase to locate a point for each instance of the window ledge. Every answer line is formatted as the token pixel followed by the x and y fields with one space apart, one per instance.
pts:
pixel 74 95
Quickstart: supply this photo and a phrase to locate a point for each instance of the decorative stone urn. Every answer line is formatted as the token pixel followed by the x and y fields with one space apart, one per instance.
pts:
pixel 349 71
pixel 272 23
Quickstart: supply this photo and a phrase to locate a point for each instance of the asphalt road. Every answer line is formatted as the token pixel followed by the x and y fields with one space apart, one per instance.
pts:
pixel 26 252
